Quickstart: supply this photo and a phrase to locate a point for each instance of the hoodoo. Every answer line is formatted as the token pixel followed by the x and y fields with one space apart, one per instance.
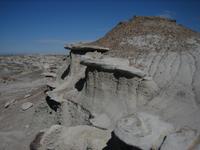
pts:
pixel 139 82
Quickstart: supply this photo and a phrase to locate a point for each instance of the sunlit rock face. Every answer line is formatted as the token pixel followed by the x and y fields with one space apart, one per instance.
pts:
pixel 148 66
pixel 169 54
pixel 105 85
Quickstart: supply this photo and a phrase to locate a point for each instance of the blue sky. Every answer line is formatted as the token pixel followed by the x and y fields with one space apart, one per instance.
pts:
pixel 44 26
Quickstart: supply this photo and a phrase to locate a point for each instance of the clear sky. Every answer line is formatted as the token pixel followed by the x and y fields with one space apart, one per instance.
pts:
pixel 44 26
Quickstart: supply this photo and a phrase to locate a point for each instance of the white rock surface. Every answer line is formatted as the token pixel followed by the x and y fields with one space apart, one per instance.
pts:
pixel 113 64
pixel 101 121
pixel 143 130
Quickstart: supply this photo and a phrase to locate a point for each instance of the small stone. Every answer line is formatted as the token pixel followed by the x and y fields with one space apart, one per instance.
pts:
pixel 27 95
pixel 7 105
pixel 26 106
pixel 13 101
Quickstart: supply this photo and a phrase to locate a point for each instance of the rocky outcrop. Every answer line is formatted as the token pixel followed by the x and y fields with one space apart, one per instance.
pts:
pixel 149 72
pixel 133 132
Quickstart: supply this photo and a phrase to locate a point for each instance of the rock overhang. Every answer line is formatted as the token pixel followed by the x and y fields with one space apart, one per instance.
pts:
pixel 85 48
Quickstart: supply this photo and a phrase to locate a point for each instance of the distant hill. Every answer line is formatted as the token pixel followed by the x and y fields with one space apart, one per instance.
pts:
pixel 147 34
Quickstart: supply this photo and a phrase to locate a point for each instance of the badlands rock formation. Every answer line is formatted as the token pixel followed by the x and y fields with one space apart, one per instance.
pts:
pixel 140 84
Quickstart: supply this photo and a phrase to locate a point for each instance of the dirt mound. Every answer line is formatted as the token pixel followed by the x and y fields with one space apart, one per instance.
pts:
pixel 143 33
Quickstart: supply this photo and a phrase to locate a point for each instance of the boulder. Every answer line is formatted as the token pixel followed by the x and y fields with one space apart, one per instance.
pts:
pixel 142 130
pixel 81 137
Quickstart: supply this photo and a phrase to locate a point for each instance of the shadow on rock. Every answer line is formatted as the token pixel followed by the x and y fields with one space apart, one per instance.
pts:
pixel 52 104
pixel 116 144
